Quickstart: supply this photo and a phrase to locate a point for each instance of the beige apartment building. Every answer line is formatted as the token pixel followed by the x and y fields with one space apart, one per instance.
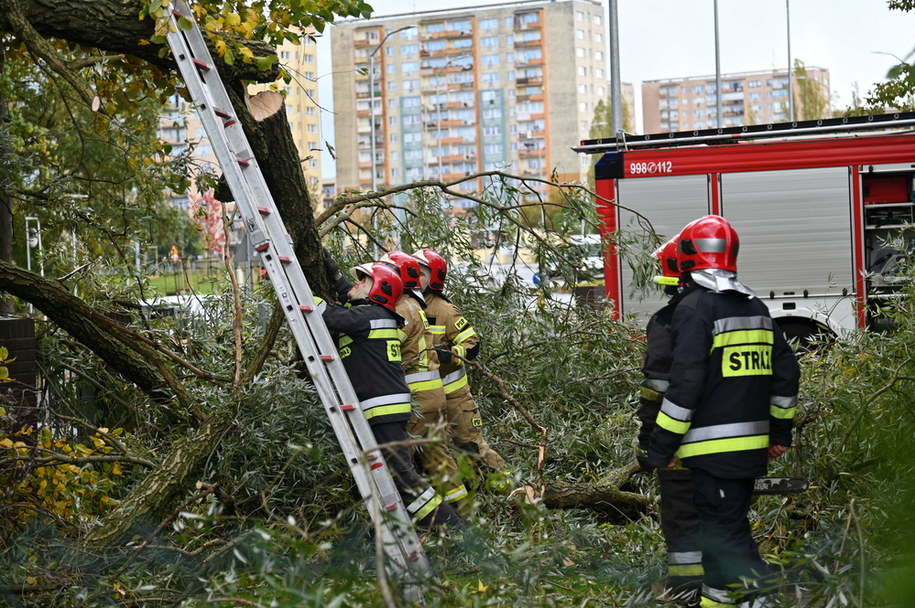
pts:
pixel 444 94
pixel 747 98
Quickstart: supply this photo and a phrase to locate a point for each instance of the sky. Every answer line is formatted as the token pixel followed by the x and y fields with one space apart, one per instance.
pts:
pixel 856 40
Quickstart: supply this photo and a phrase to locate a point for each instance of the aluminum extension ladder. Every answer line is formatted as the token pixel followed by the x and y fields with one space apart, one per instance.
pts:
pixel 268 235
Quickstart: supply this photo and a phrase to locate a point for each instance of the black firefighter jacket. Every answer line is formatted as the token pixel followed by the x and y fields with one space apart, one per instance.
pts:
pixel 369 347
pixel 732 387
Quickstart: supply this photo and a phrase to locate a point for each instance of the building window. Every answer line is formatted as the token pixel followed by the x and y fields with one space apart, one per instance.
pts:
pixel 580 34
pixel 580 52
pixel 489 24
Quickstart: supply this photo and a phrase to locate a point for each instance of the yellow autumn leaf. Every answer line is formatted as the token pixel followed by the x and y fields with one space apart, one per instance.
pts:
pixel 31 580
pixel 46 437
pixel 116 469
pixel 481 588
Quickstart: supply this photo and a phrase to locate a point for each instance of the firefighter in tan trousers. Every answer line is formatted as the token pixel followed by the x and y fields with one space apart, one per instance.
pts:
pixel 420 366
pixel 453 335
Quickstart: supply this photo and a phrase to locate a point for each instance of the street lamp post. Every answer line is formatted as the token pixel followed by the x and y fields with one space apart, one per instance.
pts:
pixel 372 96
pixel 790 67
pixel 33 239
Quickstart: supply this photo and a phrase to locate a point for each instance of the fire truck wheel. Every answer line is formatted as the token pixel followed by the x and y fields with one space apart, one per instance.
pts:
pixel 808 336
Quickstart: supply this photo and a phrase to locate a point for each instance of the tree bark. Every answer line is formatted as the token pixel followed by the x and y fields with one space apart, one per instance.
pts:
pixel 115 26
pixel 6 203
pixel 157 492
pixel 112 342
pixel 604 495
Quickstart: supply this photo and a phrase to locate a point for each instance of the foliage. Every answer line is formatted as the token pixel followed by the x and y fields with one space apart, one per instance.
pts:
pixel 273 21
pixel 57 478
pixel 95 181
pixel 897 93
pixel 4 371
pixel 812 95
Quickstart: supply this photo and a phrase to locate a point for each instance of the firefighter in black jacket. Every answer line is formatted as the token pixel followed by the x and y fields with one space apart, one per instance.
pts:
pixel 369 348
pixel 679 520
pixel 729 405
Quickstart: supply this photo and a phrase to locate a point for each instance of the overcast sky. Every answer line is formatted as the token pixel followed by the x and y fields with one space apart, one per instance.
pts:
pixel 854 39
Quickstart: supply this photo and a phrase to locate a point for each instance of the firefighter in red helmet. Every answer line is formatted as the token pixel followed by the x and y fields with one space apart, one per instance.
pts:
pixel 728 408
pixel 420 365
pixel 455 341
pixel 369 347
pixel 679 520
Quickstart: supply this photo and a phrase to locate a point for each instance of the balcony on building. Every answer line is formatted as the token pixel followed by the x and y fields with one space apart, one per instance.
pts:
pixel 526 22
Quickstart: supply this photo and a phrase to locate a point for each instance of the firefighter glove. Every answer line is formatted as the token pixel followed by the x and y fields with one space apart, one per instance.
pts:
pixel 341 285
pixel 444 354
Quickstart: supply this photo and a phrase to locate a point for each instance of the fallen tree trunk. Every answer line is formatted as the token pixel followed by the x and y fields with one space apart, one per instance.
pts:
pixel 156 493
pixel 604 495
pixel 109 340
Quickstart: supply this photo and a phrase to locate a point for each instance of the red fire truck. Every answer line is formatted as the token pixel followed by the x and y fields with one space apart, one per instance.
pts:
pixel 821 208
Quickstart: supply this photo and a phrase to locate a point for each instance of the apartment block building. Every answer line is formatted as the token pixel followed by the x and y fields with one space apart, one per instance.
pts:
pixel 682 104
pixel 444 94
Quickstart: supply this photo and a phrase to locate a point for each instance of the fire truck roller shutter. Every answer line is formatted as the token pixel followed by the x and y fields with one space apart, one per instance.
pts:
pixel 796 247
pixel 669 203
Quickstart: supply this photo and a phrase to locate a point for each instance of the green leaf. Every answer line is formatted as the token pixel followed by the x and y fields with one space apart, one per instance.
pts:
pixel 185 24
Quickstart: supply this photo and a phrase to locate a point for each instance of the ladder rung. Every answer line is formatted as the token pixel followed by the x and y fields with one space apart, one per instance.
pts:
pixel 229 123
pixel 376 465
pixel 262 247
pixel 371 457
pixel 390 507
pixel 201 65
pixel 306 308
pixel 347 407
pixel 244 162
pixel 177 13
pixel 263 210
pixel 284 259
pixel 221 113
pixel 327 357
pixel 412 557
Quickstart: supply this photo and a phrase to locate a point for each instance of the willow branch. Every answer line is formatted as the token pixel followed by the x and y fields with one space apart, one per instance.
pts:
pixel 42 49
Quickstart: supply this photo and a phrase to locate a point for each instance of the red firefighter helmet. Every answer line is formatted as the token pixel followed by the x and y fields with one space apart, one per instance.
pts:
pixel 386 284
pixel 438 267
pixel 406 265
pixel 709 242
pixel 667 256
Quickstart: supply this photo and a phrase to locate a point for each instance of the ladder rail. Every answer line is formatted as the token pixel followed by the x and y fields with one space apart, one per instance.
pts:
pixel 269 236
